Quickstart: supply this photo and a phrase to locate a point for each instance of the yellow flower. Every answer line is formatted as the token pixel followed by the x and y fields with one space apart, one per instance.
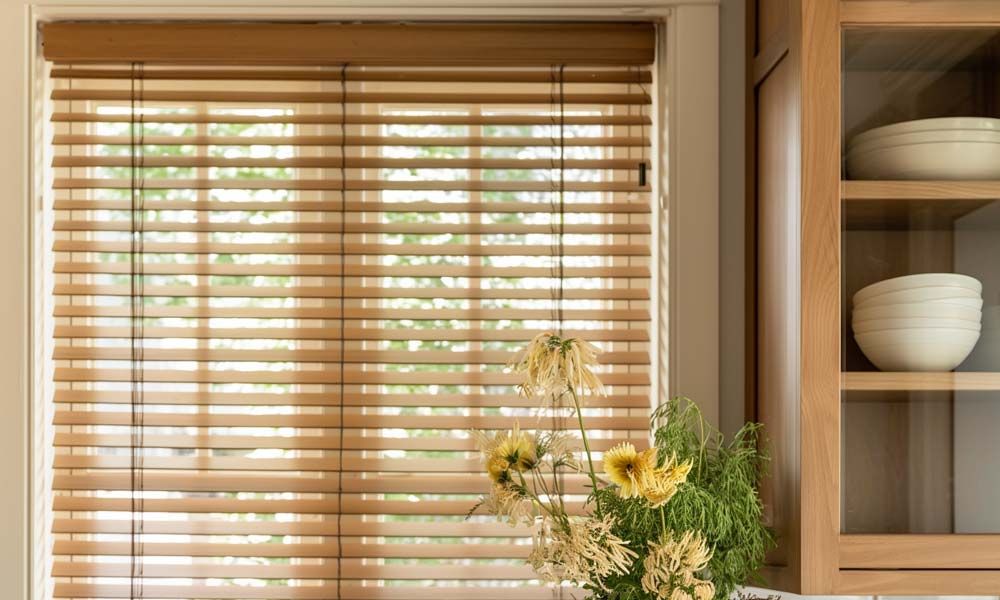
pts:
pixel 661 486
pixel 629 469
pixel 498 470
pixel 552 366
pixel 505 451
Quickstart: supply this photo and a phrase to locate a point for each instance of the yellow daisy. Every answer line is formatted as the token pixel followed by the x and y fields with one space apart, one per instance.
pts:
pixel 630 469
pixel 661 486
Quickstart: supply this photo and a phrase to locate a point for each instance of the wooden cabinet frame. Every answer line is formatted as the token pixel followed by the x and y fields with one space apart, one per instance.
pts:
pixel 815 558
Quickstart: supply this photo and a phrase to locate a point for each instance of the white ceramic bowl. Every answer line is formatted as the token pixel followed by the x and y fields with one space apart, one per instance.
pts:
pixel 922 280
pixel 925 310
pixel 947 295
pixel 927 160
pixel 925 137
pixel 942 335
pixel 917 349
pixel 936 124
pixel 913 323
pixel 918 357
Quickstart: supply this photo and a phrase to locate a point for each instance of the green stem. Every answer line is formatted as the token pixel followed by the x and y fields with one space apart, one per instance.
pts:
pixel 586 448
pixel 534 496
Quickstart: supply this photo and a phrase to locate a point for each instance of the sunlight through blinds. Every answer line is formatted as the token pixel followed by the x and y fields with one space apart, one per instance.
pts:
pixel 284 293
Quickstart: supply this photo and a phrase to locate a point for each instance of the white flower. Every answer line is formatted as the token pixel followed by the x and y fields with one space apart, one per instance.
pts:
pixel 553 365
pixel 671 567
pixel 507 502
pixel 584 552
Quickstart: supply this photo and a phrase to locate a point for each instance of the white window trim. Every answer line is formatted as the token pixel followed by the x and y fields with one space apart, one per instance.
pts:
pixel 686 355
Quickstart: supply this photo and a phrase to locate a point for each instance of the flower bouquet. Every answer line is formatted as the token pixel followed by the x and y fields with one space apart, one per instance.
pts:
pixel 680 520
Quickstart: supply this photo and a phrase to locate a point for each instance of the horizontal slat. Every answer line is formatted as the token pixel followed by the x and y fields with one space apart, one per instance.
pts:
pixel 242 463
pixel 327 421
pixel 355 140
pixel 352 376
pixel 330 355
pixel 318 442
pixel 354 207
pixel 351 162
pixel 351 526
pixel 299 550
pixel 349 333
pixel 350 270
pixel 248 291
pixel 347 505
pixel 352 249
pixel 423 184
pixel 456 483
pixel 349 313
pixel 352 568
pixel 332 399
pixel 336 74
pixel 352 118
pixel 336 97
pixel 346 592
pixel 334 227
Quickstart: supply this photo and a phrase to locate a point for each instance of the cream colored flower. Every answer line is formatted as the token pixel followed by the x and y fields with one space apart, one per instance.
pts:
pixel 661 486
pixel 552 366
pixel 506 502
pixel 704 590
pixel 672 565
pixel 629 469
pixel 585 552
pixel 558 449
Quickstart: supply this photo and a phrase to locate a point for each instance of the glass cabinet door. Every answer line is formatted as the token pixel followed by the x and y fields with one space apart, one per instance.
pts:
pixel 920 281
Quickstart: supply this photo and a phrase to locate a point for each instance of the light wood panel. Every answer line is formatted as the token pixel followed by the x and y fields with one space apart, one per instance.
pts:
pixel 919 552
pixel 820 256
pixel 921 190
pixel 887 381
pixel 919 12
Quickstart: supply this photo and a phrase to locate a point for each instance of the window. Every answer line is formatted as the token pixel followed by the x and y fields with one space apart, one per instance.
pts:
pixel 284 293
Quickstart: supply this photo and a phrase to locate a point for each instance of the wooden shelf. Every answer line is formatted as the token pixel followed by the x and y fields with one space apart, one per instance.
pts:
pixel 893 205
pixel 920 190
pixel 911 381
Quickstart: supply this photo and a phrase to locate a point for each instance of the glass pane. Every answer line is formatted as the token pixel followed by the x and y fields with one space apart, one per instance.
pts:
pixel 921 355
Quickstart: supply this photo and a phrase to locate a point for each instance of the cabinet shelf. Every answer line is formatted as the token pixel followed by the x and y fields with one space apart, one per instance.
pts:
pixel 919 381
pixel 908 205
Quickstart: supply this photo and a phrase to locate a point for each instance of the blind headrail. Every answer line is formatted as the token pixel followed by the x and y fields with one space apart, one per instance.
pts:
pixel 443 44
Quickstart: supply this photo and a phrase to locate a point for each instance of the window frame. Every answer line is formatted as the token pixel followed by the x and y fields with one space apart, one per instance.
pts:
pixel 686 100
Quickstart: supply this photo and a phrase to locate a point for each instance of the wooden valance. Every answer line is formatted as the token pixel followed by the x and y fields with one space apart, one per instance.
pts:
pixel 507 44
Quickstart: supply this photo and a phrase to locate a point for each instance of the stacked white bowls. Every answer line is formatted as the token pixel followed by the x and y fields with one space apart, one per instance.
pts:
pixel 945 148
pixel 926 322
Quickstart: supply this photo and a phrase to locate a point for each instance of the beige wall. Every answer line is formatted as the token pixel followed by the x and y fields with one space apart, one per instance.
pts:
pixel 14 271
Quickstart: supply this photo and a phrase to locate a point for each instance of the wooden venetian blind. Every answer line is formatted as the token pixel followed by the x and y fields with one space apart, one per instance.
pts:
pixel 283 292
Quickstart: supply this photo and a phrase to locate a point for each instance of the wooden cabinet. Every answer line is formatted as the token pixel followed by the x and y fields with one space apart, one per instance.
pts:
pixel 882 482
